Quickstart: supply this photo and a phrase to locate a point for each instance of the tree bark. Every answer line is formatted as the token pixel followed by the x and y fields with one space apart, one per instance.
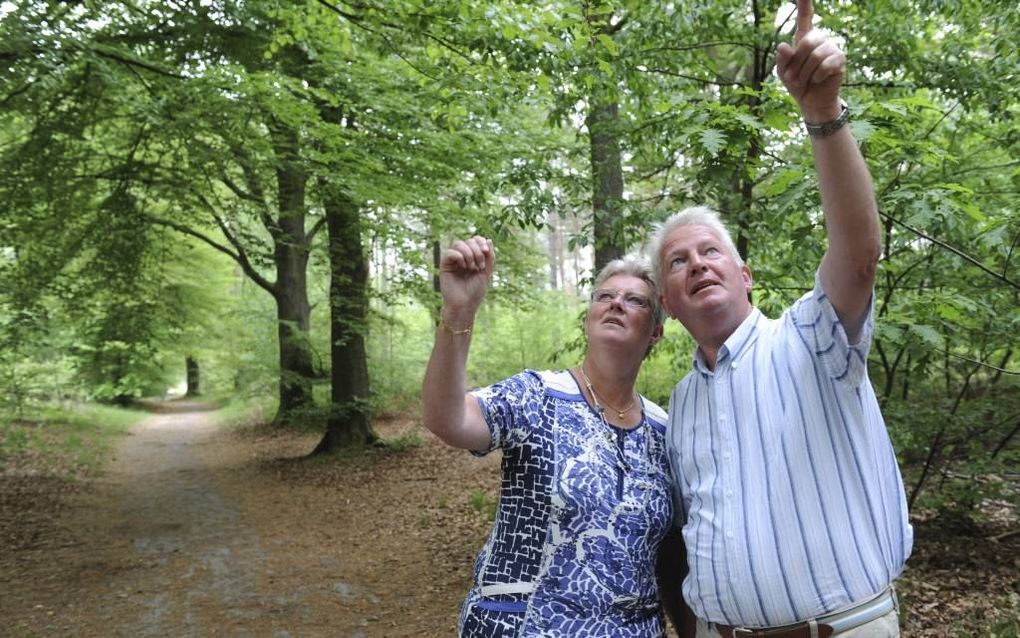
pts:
pixel 349 422
pixel 554 251
pixel 757 73
pixel 191 367
pixel 607 179
pixel 290 255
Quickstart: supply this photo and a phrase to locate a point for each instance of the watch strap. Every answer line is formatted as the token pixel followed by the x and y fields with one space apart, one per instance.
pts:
pixel 825 129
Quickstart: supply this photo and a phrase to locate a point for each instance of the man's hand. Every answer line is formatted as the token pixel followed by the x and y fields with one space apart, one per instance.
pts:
pixel 465 271
pixel 812 69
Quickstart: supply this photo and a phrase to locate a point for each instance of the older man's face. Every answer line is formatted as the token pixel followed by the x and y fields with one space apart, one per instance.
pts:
pixel 702 282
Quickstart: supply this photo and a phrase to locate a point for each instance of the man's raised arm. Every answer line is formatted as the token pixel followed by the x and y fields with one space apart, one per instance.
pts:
pixel 812 71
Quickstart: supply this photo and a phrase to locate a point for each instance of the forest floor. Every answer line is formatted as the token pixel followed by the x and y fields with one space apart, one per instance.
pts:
pixel 192 530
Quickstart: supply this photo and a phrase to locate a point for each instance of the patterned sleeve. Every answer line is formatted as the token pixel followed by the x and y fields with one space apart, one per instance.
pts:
pixel 509 407
pixel 818 326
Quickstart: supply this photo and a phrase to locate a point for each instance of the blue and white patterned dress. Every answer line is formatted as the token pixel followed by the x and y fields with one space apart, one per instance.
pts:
pixel 583 508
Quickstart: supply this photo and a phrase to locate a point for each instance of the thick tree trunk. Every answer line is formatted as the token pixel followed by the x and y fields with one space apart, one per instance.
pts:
pixel 607 180
pixel 290 256
pixel 296 369
pixel 349 422
pixel 193 378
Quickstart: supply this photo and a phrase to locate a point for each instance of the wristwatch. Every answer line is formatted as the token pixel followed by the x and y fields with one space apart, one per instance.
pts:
pixel 825 129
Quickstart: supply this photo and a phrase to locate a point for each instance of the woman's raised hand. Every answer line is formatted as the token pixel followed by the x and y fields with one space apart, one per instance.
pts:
pixel 465 271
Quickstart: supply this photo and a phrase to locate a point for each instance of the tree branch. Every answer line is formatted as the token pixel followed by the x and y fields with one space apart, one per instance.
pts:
pixel 952 249
pixel 691 47
pixel 255 188
pixel 316 227
pixel 359 22
pixel 130 62
pixel 1002 444
pixel 684 76
pixel 990 167
pixel 981 364
pixel 240 192
pixel 191 232
pixel 241 256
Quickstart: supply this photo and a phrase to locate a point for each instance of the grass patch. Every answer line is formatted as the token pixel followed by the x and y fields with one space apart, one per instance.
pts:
pixel 63 440
pixel 240 413
pixel 363 455
pixel 482 503
pixel 403 443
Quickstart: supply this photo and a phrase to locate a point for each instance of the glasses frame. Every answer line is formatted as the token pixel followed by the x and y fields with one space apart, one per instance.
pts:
pixel 633 300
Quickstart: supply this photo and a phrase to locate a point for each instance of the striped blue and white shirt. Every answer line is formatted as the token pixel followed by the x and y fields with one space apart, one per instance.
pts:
pixel 793 499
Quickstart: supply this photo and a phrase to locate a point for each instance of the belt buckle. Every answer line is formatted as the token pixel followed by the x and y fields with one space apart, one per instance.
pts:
pixel 742 631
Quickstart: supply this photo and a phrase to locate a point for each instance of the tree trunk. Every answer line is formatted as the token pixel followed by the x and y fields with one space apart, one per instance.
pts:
pixel 349 422
pixel 290 256
pixel 607 180
pixel 744 183
pixel 554 251
pixel 191 366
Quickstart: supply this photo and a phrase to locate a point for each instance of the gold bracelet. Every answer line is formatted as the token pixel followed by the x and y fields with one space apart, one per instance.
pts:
pixel 445 326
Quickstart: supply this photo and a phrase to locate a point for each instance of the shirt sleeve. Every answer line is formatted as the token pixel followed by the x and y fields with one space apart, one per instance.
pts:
pixel 509 407
pixel 819 327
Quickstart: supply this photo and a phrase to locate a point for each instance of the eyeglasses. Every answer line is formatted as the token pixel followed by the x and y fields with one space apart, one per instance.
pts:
pixel 630 299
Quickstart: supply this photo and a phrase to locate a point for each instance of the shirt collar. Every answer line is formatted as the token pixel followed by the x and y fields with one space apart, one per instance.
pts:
pixel 735 344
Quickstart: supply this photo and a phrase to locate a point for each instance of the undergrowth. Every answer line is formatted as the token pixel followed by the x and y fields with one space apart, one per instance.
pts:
pixel 63 439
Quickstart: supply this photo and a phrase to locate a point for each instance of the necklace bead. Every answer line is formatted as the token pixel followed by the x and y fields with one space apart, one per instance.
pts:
pixel 620 413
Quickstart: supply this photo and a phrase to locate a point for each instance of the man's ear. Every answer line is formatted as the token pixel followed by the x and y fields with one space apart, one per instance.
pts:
pixel 656 335
pixel 745 274
pixel 665 308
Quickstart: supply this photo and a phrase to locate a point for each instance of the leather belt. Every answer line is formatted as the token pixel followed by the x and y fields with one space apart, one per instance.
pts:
pixel 823 626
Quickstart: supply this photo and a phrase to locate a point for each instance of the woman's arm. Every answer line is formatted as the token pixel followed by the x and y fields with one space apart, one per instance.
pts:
pixel 671 569
pixel 447 410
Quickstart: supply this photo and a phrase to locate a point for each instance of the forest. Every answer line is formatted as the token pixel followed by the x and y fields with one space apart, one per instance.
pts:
pixel 246 200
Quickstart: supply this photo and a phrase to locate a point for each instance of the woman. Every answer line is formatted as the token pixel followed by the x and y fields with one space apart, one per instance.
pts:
pixel 585 498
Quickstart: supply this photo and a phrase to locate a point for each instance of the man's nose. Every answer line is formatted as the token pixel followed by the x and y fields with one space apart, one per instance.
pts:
pixel 695 262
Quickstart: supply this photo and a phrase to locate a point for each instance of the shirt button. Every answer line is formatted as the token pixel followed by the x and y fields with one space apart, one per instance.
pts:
pixel 734 365
pixel 726 455
pixel 729 534
pixel 729 493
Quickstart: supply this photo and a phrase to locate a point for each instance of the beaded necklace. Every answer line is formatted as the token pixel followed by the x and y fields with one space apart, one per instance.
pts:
pixel 598 404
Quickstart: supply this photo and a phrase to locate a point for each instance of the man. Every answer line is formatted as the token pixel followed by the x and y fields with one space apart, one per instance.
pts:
pixel 795 520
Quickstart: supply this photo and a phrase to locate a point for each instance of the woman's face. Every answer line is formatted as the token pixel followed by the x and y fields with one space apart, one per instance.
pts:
pixel 620 314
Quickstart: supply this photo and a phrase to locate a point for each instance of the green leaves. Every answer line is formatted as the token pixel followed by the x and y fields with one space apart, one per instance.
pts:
pixel 452 117
pixel 712 141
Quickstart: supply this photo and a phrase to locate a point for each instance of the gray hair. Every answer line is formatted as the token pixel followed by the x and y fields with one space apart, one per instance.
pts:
pixel 693 216
pixel 639 267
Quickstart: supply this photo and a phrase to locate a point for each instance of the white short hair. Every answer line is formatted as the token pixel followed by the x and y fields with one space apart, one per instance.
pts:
pixel 639 267
pixel 693 216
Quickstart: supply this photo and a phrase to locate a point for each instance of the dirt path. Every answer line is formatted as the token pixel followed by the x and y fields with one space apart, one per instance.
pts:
pixel 156 548
pixel 195 531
